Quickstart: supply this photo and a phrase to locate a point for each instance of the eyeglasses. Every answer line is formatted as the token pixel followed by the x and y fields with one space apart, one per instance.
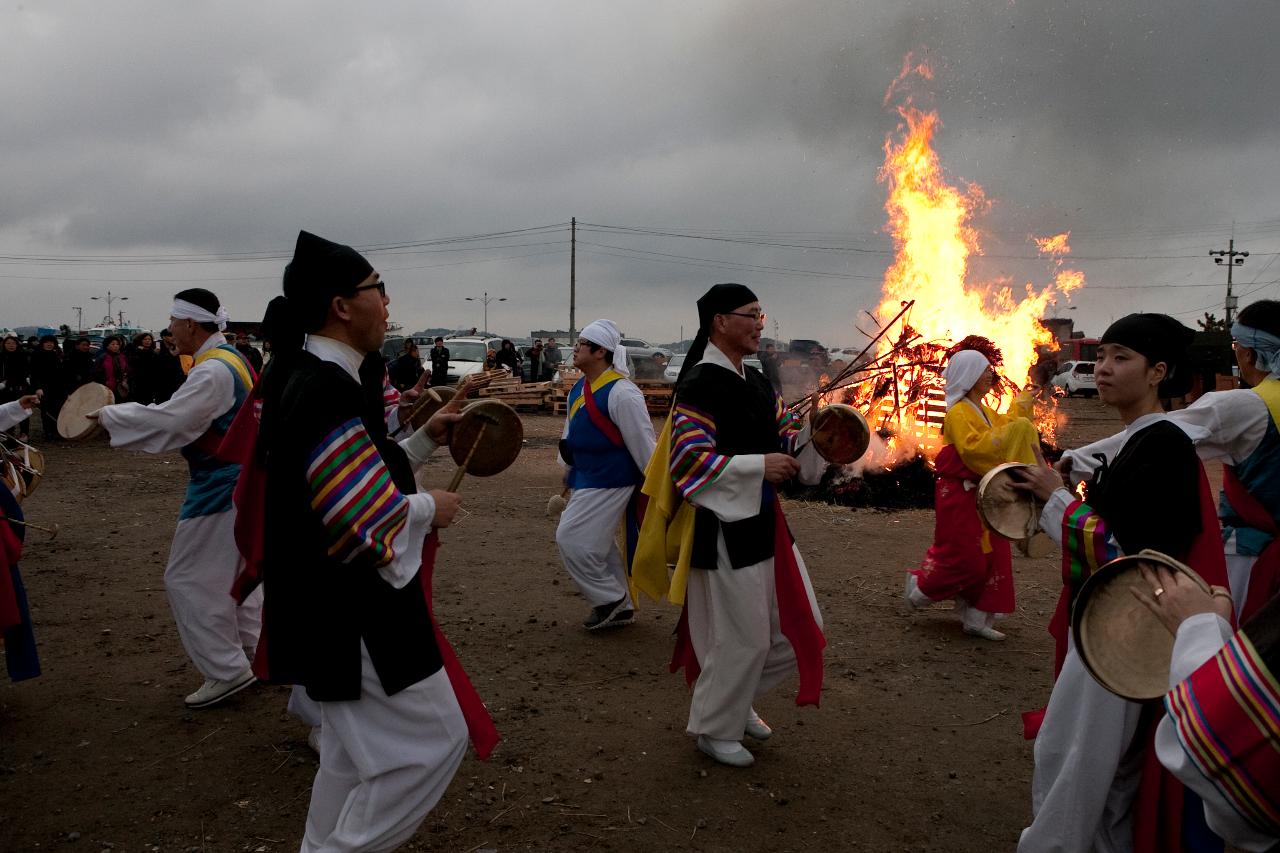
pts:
pixel 750 315
pixel 380 285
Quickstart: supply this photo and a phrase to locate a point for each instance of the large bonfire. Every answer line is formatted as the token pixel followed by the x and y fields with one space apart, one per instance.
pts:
pixel 928 301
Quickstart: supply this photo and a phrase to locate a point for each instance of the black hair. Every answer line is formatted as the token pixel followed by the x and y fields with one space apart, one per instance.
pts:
pixel 204 299
pixel 1263 315
pixel 595 348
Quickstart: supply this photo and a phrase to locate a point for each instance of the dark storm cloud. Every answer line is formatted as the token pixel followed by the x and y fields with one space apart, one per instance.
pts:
pixel 161 129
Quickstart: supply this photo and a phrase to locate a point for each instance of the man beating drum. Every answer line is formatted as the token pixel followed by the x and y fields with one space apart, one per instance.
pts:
pixel 219 636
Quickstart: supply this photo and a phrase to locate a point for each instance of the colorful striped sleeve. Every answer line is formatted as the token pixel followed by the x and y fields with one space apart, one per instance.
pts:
pixel 1086 545
pixel 1227 718
pixel 694 461
pixel 352 491
pixel 789 423
pixel 390 398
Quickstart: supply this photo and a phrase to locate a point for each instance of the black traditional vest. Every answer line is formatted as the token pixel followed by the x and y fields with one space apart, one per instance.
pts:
pixel 745 417
pixel 317 609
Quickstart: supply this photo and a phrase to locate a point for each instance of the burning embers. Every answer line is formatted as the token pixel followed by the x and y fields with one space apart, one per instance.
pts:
pixel 931 303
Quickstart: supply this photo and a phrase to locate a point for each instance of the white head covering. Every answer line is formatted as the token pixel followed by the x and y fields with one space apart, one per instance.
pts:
pixel 963 372
pixel 606 333
pixel 183 310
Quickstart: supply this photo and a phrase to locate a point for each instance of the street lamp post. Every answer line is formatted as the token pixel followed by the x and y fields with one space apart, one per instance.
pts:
pixel 486 299
pixel 109 298
pixel 79 318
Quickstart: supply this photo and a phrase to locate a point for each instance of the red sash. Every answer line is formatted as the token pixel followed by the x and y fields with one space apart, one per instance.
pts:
pixel 1264 577
pixel 795 615
pixel 10 553
pixel 484 735
pixel 602 422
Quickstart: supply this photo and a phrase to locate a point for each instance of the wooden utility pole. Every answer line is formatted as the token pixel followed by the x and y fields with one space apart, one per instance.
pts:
pixel 1231 258
pixel 573 280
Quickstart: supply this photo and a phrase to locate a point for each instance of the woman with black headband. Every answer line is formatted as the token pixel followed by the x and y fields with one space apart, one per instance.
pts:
pixel 1097 785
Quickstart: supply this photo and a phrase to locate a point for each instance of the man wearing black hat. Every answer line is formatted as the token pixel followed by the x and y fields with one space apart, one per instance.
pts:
pixel 346 545
pixel 750 615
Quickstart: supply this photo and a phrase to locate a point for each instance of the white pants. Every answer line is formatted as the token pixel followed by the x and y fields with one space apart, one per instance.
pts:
pixel 385 761
pixel 587 537
pixel 219 636
pixel 303 706
pixel 733 624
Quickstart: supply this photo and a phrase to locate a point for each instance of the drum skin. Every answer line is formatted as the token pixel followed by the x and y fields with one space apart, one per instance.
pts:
pixel 1009 512
pixel 498 444
pixel 72 423
pixel 840 434
pixel 1122 643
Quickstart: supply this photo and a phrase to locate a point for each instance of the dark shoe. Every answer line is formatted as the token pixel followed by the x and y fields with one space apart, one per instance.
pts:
pixel 613 615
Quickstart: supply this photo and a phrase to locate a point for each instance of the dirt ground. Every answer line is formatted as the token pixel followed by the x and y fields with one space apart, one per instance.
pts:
pixel 917 746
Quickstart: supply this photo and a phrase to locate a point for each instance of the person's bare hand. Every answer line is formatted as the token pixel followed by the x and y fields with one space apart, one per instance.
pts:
pixel 29 401
pixel 780 467
pixel 440 427
pixel 1064 467
pixel 447 505
pixel 408 397
pixel 1040 480
pixel 1173 597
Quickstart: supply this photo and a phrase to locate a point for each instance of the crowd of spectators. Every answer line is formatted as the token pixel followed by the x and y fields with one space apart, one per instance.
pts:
pixel 144 370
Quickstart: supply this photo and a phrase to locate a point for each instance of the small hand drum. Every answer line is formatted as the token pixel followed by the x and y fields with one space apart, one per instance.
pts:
pixel 21 466
pixel 431 401
pixel 1012 513
pixel 1119 640
pixel 840 434
pixel 72 423
pixel 499 444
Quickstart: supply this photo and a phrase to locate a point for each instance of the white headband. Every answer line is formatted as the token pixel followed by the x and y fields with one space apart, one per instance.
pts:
pixel 605 333
pixel 963 372
pixel 183 310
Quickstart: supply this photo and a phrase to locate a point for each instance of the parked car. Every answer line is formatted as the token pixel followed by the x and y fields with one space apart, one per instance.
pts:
pixel 638 349
pixel 1075 377
pixel 672 371
pixel 466 356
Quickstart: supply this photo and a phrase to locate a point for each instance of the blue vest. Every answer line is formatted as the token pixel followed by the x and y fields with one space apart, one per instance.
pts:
pixel 1259 473
pixel 598 463
pixel 212 480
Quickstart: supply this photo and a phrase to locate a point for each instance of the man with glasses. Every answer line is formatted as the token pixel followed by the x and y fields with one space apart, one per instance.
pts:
pixel 347 545
pixel 750 616
pixel 219 636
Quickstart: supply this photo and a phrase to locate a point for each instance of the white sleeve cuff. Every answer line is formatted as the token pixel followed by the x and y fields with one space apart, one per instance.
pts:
pixel 1051 515
pixel 1199 638
pixel 735 495
pixel 407 546
pixel 418 447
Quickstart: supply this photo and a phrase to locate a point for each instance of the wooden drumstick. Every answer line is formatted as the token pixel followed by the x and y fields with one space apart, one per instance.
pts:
pixel 485 419
pixel 52 531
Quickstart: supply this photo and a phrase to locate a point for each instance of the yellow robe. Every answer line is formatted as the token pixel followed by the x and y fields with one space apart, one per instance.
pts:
pixel 661 564
pixel 983 445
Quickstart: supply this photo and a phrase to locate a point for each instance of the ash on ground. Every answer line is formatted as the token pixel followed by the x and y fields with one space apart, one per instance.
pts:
pixel 908 485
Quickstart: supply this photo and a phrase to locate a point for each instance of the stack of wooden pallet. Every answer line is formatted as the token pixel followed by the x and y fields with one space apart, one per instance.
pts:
pixel 526 397
pixel 657 395
pixel 559 399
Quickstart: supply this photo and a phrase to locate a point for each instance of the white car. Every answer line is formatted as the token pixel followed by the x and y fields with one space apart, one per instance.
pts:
pixel 638 349
pixel 466 356
pixel 672 371
pixel 1076 377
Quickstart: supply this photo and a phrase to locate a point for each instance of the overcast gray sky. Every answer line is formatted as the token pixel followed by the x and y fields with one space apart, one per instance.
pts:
pixel 152 133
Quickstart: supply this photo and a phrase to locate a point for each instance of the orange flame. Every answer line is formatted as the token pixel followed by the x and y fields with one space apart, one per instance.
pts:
pixel 932 223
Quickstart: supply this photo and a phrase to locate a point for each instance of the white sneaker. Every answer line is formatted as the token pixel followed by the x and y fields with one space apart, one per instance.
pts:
pixel 728 752
pixel 212 692
pixel 758 728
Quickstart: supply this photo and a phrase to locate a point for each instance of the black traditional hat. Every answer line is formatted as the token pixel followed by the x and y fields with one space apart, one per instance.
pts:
pixel 720 299
pixel 319 271
pixel 1158 337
